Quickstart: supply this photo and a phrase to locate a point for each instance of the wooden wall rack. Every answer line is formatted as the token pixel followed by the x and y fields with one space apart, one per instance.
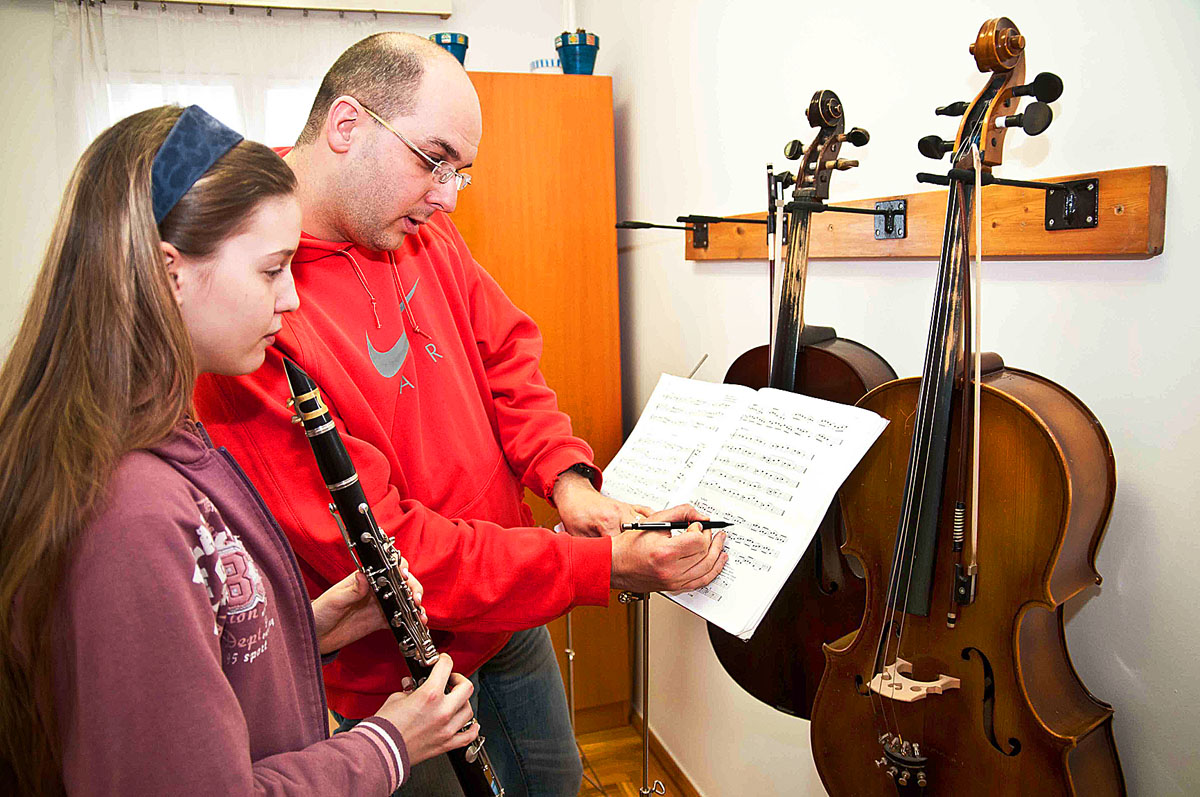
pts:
pixel 1132 216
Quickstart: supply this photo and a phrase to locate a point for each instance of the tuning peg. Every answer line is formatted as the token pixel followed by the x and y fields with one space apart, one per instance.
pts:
pixel 953 109
pixel 934 146
pixel 793 150
pixel 1034 120
pixel 840 165
pixel 857 137
pixel 1046 87
pixel 785 180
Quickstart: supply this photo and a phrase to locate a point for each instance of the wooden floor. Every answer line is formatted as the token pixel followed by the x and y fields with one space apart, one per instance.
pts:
pixel 616 757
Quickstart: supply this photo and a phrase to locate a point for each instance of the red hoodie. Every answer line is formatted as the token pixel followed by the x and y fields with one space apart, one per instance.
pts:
pixel 432 376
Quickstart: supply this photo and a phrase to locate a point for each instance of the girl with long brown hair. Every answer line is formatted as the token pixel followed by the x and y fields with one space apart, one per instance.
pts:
pixel 156 635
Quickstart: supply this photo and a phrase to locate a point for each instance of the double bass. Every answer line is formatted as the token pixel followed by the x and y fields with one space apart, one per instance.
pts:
pixel 976 517
pixel 822 600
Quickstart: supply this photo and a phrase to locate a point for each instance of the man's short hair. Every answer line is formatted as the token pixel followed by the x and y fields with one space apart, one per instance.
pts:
pixel 382 71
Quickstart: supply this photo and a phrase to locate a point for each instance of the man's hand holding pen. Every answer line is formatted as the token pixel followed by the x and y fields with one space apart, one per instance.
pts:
pixel 673 525
pixel 657 560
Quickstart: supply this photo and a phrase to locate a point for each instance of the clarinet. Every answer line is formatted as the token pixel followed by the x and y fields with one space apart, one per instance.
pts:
pixel 376 556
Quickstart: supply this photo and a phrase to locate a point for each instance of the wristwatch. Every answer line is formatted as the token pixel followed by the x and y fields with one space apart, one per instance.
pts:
pixel 586 471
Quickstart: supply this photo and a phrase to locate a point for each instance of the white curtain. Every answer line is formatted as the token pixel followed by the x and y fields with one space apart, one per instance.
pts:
pixel 255 72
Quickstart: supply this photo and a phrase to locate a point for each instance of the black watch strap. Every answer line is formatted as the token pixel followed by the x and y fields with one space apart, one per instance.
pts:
pixel 586 471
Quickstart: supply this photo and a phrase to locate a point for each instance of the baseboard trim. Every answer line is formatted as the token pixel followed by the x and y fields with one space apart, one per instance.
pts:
pixel 668 763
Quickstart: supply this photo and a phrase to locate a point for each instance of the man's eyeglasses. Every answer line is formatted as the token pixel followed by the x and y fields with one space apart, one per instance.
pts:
pixel 442 172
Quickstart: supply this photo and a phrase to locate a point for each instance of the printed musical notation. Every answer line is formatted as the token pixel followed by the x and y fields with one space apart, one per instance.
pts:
pixel 769 462
pixel 655 465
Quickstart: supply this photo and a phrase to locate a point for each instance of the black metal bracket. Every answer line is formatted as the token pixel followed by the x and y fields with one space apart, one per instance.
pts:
pixel 700 226
pixel 1075 206
pixel 696 218
pixel 892 225
pixel 890 217
pixel 987 178
pixel 1070 205
pixel 646 225
pixel 699 229
pixel 697 224
pixel 815 206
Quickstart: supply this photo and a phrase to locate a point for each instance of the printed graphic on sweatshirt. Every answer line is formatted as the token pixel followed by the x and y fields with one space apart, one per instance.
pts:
pixel 243 584
pixel 389 362
pixel 235 589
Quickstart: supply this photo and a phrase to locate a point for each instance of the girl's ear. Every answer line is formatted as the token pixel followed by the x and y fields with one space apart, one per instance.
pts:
pixel 175 269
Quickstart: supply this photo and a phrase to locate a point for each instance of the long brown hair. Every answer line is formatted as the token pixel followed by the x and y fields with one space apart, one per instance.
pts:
pixel 102 365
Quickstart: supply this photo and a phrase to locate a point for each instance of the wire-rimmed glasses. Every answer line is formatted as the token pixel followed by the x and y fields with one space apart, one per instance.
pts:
pixel 443 172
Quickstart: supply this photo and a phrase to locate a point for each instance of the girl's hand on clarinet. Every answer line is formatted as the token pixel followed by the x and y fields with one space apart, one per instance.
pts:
pixel 348 611
pixel 432 720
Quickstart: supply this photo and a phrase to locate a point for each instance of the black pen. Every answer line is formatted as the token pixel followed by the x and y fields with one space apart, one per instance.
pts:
pixel 662 525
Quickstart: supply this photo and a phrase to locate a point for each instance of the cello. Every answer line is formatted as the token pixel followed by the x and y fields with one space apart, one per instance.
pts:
pixel 822 599
pixel 976 517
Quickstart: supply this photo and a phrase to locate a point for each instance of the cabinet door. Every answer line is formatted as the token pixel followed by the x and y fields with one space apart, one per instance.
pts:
pixel 540 218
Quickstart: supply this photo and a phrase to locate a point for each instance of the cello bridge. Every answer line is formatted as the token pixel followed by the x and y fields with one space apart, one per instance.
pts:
pixel 894 682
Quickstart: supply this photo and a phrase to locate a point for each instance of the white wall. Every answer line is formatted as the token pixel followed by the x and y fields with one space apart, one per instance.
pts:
pixel 707 92
pixel 28 165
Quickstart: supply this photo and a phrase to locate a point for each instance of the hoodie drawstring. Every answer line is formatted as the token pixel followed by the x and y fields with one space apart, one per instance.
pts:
pixel 358 273
pixel 412 318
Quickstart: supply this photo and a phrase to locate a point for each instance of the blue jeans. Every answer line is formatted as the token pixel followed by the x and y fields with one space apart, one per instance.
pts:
pixel 521 706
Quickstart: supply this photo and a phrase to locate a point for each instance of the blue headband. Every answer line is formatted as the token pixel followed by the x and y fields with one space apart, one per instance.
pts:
pixel 195 143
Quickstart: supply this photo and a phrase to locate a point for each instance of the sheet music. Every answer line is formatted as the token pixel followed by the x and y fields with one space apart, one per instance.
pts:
pixel 768 461
pixel 684 419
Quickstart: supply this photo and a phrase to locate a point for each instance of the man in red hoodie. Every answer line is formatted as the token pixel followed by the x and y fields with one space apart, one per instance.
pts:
pixel 433 378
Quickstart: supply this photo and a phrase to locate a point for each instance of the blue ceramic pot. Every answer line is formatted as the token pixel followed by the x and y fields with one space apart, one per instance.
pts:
pixel 456 43
pixel 577 52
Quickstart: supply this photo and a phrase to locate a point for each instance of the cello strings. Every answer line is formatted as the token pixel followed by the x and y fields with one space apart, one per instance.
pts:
pixel 943 324
pixel 955 235
pixel 944 321
pixel 887 621
pixel 788 350
pixel 918 460
pixel 802 284
pixel 919 464
pixel 945 365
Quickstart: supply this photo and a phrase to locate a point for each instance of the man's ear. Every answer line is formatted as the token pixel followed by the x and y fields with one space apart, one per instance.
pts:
pixel 344 114
pixel 176 271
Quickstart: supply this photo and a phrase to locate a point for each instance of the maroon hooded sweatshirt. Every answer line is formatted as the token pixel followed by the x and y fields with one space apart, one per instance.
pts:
pixel 187 659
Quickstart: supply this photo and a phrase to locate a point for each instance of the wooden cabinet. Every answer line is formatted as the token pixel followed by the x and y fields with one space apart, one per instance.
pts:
pixel 539 217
